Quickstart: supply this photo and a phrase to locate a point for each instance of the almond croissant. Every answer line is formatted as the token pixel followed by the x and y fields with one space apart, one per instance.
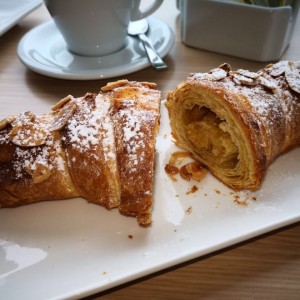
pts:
pixel 100 147
pixel 238 122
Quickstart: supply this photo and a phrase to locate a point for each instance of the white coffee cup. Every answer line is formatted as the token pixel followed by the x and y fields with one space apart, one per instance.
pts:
pixel 96 27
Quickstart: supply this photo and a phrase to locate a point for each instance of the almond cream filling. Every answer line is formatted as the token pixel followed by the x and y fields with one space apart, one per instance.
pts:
pixel 208 133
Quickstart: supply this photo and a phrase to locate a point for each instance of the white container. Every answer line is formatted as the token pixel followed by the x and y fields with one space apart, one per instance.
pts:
pixel 247 31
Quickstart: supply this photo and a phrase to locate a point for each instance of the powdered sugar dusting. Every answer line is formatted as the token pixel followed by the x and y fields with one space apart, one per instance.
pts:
pixel 83 128
pixel 269 114
pixel 26 160
pixel 92 127
pixel 279 68
pixel 214 74
pixel 270 93
pixel 292 75
pixel 108 139
pixel 134 128
pixel 107 130
pixel 133 137
pixel 29 131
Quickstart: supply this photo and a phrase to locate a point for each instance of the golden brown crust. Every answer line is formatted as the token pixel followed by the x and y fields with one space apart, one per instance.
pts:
pixel 33 173
pixel 237 122
pixel 100 147
pixel 135 114
pixel 90 148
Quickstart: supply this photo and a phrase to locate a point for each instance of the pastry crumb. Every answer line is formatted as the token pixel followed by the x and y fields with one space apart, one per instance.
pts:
pixel 190 170
pixel 239 201
pixel 192 190
pixel 188 210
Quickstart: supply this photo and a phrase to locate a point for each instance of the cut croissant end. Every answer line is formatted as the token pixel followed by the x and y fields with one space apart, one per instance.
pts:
pixel 236 125
pixel 198 122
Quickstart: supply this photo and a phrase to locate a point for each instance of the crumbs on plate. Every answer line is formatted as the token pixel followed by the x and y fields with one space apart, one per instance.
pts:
pixel 188 210
pixel 193 190
pixel 188 171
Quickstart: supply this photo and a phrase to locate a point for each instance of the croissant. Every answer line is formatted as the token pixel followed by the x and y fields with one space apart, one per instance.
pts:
pixel 237 122
pixel 100 147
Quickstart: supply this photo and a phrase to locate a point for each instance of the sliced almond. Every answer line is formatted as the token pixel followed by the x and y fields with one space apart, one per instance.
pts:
pixel 28 136
pixel 217 74
pixel 292 76
pixel 226 67
pixel 27 131
pixel 247 73
pixel 214 75
pixel 266 83
pixel 63 115
pixel 243 80
pixel 61 103
pixel 278 68
pixel 6 121
pixel 112 85
pixel 184 173
pixel 39 172
pixel 171 169
pixel 150 85
pixel 178 156
pixel 196 170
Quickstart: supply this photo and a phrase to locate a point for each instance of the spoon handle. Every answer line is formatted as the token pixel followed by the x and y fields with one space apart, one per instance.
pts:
pixel 156 62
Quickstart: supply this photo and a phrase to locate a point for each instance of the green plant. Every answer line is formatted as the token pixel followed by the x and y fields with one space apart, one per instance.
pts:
pixel 272 3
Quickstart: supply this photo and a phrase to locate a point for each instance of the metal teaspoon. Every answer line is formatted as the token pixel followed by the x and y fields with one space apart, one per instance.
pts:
pixel 139 28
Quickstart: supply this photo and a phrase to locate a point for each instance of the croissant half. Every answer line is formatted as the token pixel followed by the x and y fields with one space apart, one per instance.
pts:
pixel 100 147
pixel 237 122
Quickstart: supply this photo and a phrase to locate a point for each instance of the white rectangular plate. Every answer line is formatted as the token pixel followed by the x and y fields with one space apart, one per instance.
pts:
pixel 12 11
pixel 70 249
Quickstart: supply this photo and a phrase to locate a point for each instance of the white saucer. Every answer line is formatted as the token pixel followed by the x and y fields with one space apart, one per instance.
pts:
pixel 13 11
pixel 44 51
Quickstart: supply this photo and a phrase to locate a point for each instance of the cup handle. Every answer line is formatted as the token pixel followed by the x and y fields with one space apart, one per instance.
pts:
pixel 141 14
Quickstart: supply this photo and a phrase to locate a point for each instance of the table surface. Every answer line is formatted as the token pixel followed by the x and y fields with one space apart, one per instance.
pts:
pixel 267 266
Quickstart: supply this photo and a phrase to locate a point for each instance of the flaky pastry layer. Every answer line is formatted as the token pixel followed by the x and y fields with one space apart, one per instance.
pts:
pixel 100 147
pixel 238 122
